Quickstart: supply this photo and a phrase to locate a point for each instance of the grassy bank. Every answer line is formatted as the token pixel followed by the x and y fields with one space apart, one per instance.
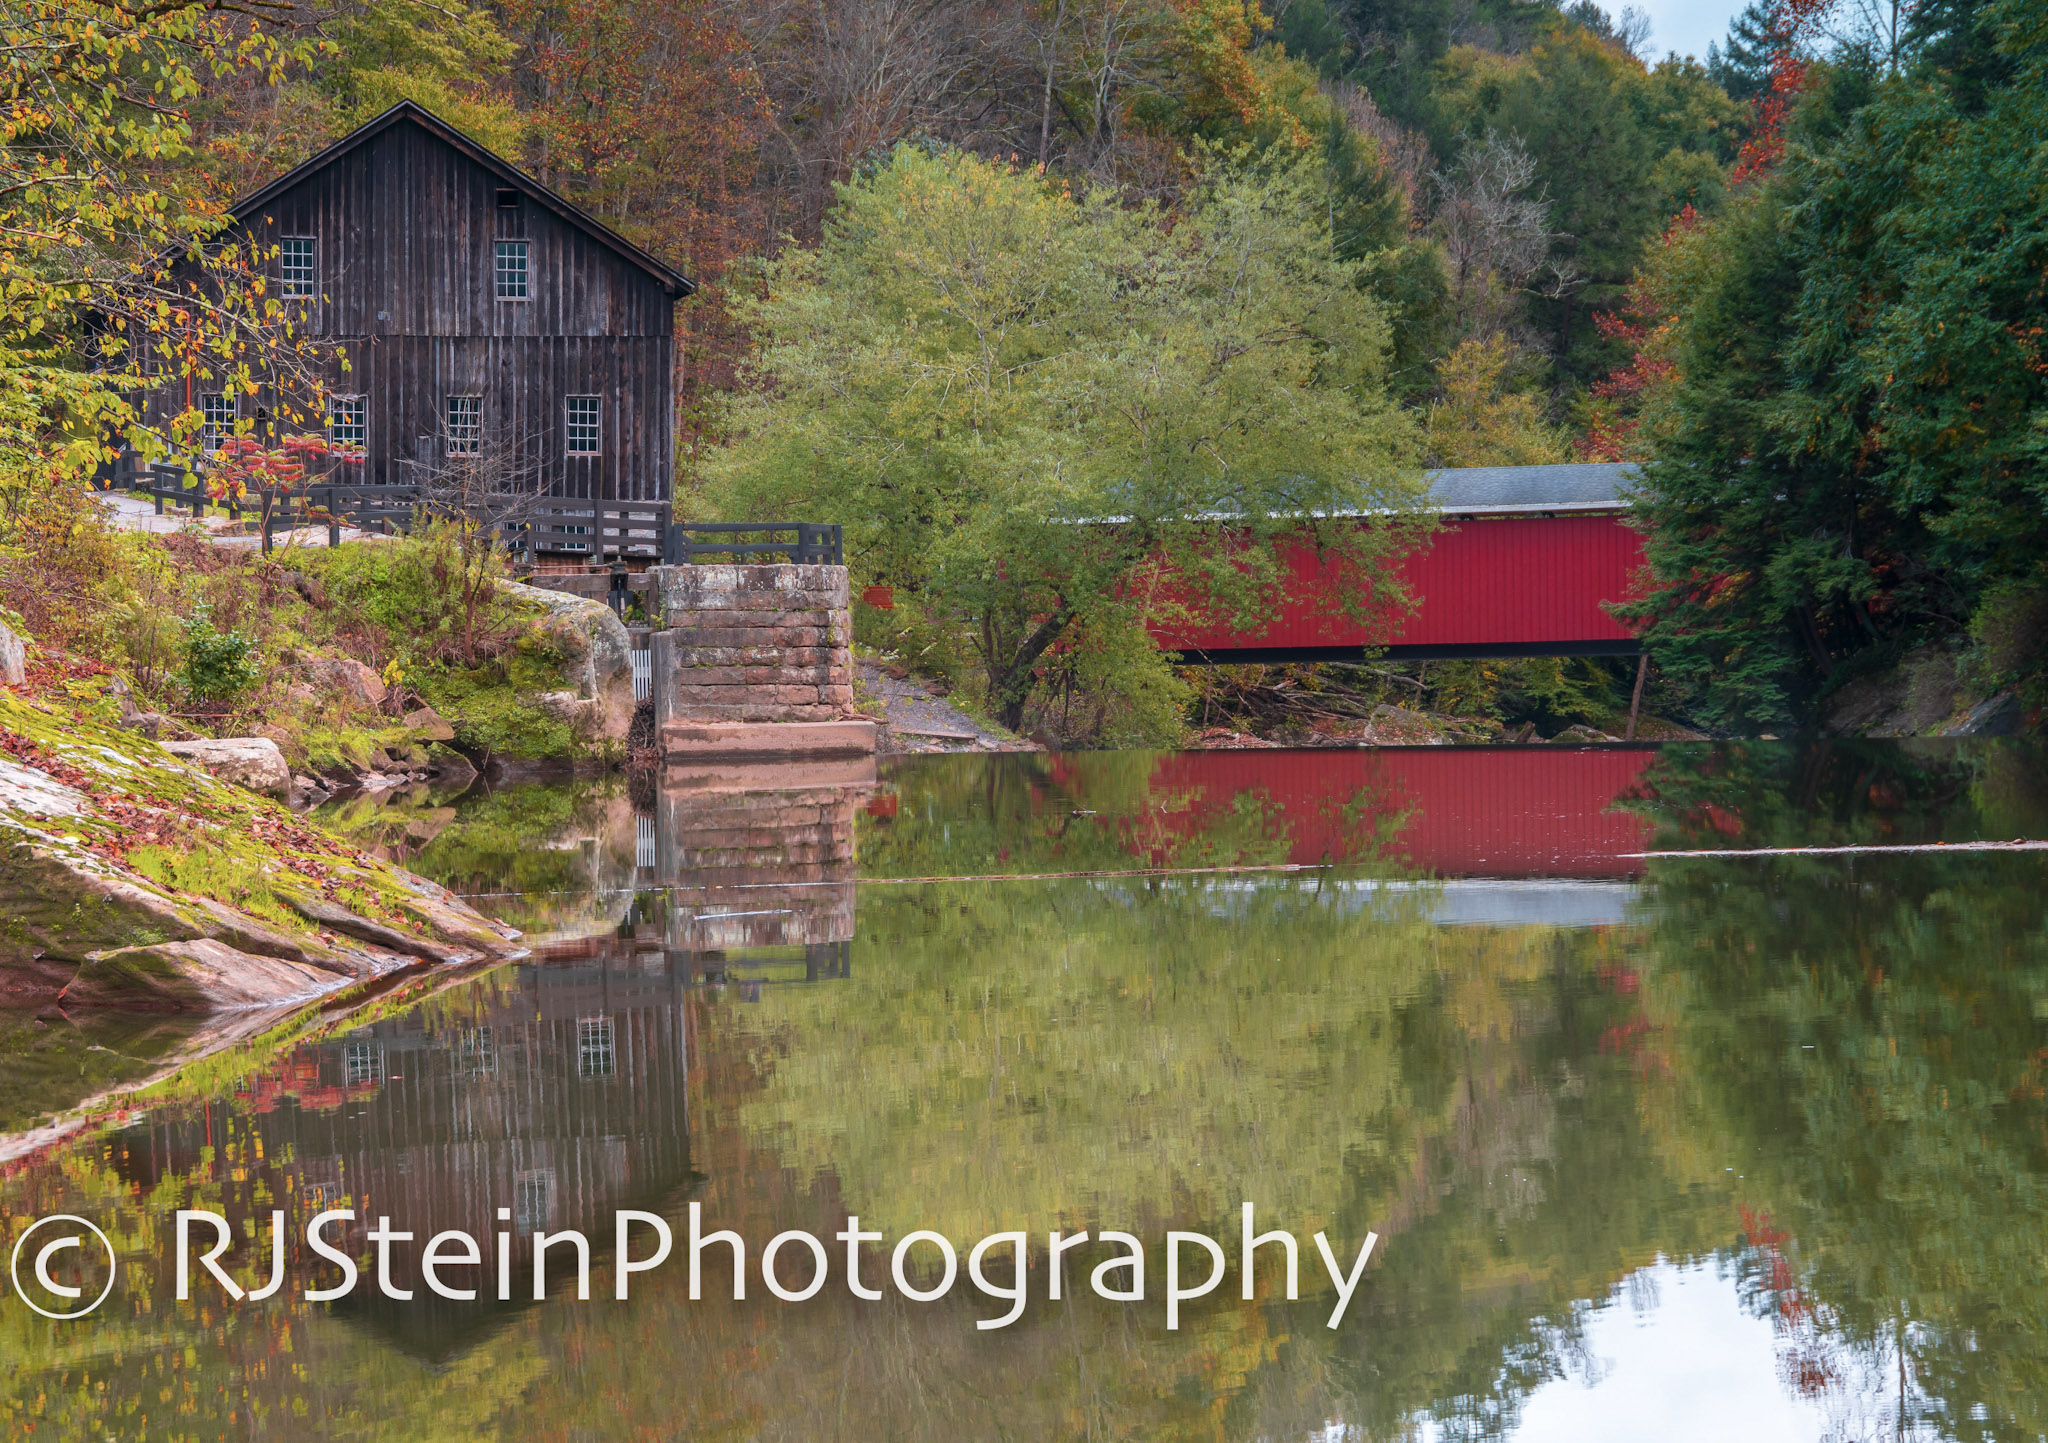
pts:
pixel 376 655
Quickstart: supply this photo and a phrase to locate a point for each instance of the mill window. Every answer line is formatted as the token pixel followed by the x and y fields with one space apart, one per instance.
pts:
pixel 582 426
pixel 465 425
pixel 348 423
pixel 595 1054
pixel 217 420
pixel 476 1052
pixel 512 270
pixel 362 1064
pixel 533 1196
pixel 295 265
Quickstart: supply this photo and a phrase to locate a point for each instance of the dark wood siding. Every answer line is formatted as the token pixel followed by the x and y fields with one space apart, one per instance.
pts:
pixel 405 227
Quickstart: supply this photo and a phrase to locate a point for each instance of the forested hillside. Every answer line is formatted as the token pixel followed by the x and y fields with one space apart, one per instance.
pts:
pixel 1839 384
pixel 1501 173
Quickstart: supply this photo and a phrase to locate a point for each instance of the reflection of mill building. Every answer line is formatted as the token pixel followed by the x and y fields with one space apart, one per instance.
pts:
pixel 562 1096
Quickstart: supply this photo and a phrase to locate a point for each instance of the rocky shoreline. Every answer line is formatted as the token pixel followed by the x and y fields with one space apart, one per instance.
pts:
pixel 131 877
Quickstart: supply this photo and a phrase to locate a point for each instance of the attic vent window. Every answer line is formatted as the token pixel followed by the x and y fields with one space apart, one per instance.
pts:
pixel 508 198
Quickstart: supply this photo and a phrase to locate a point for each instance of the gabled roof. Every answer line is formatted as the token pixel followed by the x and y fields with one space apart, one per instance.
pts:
pixel 1592 486
pixel 406 112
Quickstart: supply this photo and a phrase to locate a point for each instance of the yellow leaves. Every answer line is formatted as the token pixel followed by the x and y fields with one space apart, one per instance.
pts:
pixel 1480 423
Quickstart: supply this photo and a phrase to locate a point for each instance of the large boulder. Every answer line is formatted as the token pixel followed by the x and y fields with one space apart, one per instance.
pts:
pixel 252 762
pixel 597 654
pixel 1998 716
pixel 201 975
pixel 348 678
pixel 427 725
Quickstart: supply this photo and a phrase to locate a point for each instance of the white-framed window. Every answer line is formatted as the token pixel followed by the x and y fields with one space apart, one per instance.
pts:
pixel 348 423
pixel 582 426
pixel 217 419
pixel 476 1052
pixel 512 274
pixel 362 1063
pixel 595 1053
pixel 533 1198
pixel 295 264
pixel 465 425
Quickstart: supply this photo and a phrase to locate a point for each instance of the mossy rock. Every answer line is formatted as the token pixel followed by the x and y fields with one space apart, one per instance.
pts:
pixel 111 845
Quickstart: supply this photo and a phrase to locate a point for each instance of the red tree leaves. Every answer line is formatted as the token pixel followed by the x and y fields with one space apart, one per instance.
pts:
pixel 1640 322
pixel 651 116
pixel 1792 22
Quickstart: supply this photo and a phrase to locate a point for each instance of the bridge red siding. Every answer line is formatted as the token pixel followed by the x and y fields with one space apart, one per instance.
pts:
pixel 1509 580
pixel 1463 812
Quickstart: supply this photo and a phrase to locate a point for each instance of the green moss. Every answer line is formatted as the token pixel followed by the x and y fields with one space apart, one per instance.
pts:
pixel 236 874
pixel 392 602
pixel 491 707
pixel 212 839
pixel 340 749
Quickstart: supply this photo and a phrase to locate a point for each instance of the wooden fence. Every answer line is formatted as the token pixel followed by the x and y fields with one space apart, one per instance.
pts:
pixel 595 529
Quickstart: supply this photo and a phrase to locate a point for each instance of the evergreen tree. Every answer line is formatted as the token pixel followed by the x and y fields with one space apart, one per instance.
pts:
pixel 1851 458
pixel 1743 66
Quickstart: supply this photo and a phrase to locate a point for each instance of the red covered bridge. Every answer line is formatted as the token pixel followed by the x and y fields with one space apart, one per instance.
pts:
pixel 1526 564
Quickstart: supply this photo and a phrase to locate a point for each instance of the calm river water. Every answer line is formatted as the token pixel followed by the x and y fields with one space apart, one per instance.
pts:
pixel 1655 1147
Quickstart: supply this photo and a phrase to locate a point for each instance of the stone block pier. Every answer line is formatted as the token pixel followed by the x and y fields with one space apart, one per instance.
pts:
pixel 757 856
pixel 755 664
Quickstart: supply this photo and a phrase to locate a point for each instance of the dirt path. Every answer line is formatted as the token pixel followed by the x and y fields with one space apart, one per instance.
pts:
pixel 915 720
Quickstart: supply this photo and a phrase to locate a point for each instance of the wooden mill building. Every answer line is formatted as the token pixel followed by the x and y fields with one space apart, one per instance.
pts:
pixel 477 309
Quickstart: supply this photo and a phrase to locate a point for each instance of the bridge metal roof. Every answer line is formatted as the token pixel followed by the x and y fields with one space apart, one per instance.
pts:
pixel 1593 486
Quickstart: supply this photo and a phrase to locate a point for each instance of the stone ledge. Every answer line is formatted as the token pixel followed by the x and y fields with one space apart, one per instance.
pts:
pixel 822 618
pixel 704 741
pixel 765 653
pixel 763 713
pixel 698 675
pixel 691 703
pixel 820 636
pixel 773 587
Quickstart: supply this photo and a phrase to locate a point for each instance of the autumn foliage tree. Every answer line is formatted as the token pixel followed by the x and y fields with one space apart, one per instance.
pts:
pixel 651 117
pixel 1026 401
pixel 112 272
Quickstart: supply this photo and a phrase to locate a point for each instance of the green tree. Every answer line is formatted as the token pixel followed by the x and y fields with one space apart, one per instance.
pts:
pixel 1480 422
pixel 1849 458
pixel 1618 148
pixel 1742 67
pixel 1035 409
pixel 111 273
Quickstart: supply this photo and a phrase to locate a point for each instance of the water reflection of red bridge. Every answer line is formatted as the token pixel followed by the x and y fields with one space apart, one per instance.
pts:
pixel 1491 812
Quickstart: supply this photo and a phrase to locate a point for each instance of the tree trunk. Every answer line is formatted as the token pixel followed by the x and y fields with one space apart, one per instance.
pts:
pixel 1052 53
pixel 1010 689
pixel 1809 631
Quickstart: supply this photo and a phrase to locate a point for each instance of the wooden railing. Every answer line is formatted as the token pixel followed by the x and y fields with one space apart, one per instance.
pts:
pixel 595 529
pixel 743 542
